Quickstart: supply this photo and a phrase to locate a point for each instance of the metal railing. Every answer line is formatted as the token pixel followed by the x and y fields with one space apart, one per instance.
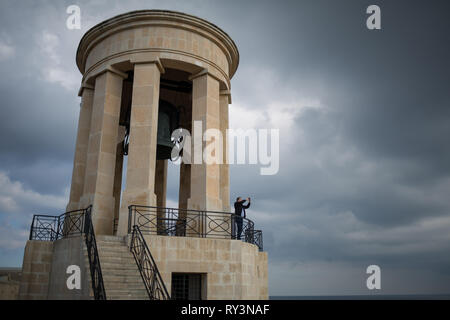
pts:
pixel 255 237
pixel 51 228
pixel 193 223
pixel 70 224
pixel 98 286
pixel 154 284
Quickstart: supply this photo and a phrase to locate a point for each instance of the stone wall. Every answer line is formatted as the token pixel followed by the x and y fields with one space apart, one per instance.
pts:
pixel 44 270
pixel 71 251
pixel 234 269
pixel 9 283
pixel 178 40
pixel 36 270
pixel 9 290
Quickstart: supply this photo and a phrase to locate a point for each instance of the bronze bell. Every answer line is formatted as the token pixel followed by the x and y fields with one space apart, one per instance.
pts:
pixel 168 118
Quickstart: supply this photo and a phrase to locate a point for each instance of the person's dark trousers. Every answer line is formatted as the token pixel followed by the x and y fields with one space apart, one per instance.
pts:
pixel 239 227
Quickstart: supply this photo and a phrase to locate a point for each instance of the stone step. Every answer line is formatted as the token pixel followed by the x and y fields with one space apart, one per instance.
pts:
pixel 113 246
pixel 120 296
pixel 99 238
pixel 113 249
pixel 114 264
pixel 120 279
pixel 120 272
pixel 115 258
pixel 123 278
pixel 121 275
pixel 127 298
pixel 111 242
pixel 123 254
pixel 125 286
pixel 125 292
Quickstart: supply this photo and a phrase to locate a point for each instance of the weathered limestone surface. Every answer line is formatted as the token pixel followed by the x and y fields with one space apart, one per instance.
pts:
pixel 36 267
pixel 205 178
pixel 234 269
pixel 161 182
pixel 101 157
pixel 79 163
pixel 224 167
pixel 9 290
pixel 144 47
pixel 178 40
pixel 140 185
pixel 66 252
pixel 10 283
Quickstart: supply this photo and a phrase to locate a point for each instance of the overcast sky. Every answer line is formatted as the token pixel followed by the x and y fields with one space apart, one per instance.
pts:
pixel 364 119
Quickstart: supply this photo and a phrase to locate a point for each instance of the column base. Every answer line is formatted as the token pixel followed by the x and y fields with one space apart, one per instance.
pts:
pixel 135 197
pixel 205 203
pixel 102 212
pixel 71 206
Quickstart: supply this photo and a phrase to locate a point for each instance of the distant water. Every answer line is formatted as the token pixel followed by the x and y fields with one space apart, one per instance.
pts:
pixel 368 297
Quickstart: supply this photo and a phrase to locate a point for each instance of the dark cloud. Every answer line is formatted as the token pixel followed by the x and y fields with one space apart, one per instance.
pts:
pixel 363 118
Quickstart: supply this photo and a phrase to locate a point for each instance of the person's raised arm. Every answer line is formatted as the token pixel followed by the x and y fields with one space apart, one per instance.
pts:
pixel 248 205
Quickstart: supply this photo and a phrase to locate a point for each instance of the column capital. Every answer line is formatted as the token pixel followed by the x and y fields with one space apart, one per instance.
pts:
pixel 84 86
pixel 110 69
pixel 203 73
pixel 145 61
pixel 226 93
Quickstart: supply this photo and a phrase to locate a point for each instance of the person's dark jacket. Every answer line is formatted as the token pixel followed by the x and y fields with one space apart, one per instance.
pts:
pixel 239 208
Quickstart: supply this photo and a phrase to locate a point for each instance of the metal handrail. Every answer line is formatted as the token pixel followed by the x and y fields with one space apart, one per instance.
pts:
pixel 148 269
pixel 51 228
pixel 98 286
pixel 66 225
pixel 193 223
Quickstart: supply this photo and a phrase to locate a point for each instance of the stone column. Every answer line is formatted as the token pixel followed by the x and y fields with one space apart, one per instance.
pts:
pixel 140 184
pixel 225 99
pixel 118 175
pixel 101 157
pixel 184 190
pixel 79 163
pixel 161 182
pixel 183 197
pixel 205 178
pixel 205 181
pixel 160 191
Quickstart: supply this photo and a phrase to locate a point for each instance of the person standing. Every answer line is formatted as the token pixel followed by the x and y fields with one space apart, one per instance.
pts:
pixel 239 211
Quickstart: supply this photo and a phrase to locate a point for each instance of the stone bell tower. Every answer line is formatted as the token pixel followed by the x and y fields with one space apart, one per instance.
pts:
pixel 145 74
pixel 132 65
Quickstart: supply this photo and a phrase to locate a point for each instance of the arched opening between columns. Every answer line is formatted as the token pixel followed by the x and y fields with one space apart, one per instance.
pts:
pixel 172 181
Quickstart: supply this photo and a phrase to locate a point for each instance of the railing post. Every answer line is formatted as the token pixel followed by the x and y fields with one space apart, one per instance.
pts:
pixel 58 226
pixel 203 230
pixel 233 227
pixel 32 227
pixel 129 218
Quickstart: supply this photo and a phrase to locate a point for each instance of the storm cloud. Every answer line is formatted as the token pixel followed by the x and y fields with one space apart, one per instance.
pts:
pixel 364 119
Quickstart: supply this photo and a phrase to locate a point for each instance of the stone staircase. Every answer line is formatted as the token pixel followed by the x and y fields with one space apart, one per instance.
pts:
pixel 121 275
